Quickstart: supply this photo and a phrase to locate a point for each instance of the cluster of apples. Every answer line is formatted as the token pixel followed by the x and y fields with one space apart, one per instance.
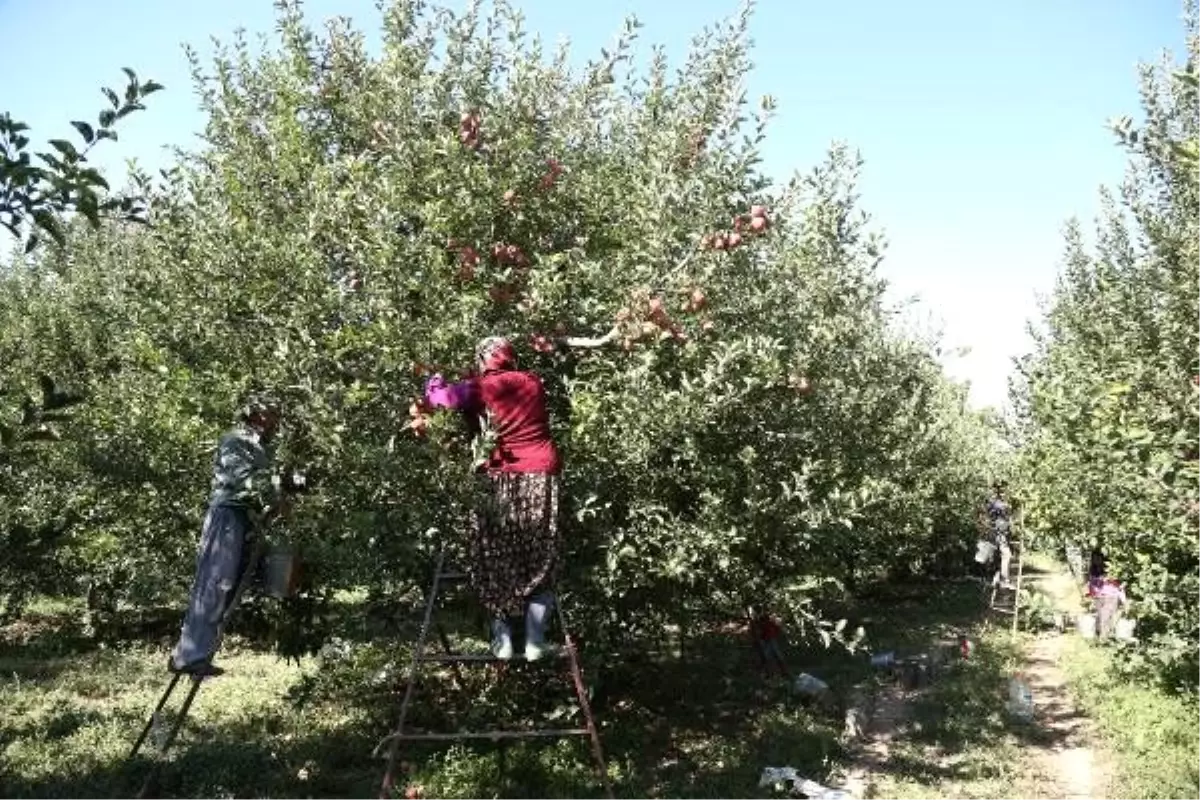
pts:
pixel 419 411
pixel 650 320
pixel 751 224
pixel 469 129
pixel 553 170
pixel 504 254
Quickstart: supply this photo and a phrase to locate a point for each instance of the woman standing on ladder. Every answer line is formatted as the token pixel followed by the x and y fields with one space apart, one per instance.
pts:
pixel 515 545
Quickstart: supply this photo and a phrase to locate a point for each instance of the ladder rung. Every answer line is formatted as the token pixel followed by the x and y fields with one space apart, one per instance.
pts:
pixel 541 734
pixel 461 658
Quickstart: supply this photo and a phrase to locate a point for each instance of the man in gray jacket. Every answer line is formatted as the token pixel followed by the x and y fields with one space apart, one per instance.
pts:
pixel 244 492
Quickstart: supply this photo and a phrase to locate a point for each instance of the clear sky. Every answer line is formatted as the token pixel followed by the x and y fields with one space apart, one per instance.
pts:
pixel 982 123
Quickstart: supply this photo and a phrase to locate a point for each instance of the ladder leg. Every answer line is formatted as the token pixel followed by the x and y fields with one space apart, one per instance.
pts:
pixel 148 784
pixel 584 705
pixel 1017 593
pixel 162 701
pixel 389 777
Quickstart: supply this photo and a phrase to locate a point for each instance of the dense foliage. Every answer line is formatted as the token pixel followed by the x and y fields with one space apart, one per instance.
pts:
pixel 1109 398
pixel 752 424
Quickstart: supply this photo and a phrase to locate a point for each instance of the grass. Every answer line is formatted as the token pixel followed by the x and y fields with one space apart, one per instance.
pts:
pixel 1154 737
pixel 704 725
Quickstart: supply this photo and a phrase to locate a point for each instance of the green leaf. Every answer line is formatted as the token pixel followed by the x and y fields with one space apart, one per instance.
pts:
pixel 50 223
pixel 89 206
pixel 85 130
pixel 107 118
pixel 112 97
pixel 149 87
pixel 92 177
pixel 66 148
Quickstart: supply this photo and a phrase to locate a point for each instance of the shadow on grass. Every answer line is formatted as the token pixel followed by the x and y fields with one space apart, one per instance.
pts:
pixel 701 726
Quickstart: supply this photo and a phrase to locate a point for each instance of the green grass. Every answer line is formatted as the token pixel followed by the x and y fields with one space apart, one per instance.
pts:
pixel 1154 737
pixel 704 725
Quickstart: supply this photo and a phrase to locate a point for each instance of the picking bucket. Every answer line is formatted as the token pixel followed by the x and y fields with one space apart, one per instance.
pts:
pixel 1125 628
pixel 282 573
pixel 984 551
pixel 1086 624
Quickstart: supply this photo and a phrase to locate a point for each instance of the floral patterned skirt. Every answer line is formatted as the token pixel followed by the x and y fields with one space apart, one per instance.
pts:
pixel 514 548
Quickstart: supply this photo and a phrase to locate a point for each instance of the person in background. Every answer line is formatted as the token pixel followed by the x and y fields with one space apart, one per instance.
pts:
pixel 244 493
pixel 765 631
pixel 514 551
pixel 999 518
pixel 1107 595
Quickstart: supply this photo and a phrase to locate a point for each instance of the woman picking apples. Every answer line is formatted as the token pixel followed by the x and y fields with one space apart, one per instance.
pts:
pixel 514 549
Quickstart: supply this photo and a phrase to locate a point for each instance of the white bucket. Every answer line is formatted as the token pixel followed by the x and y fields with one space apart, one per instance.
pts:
pixel 1125 628
pixel 1086 625
pixel 984 551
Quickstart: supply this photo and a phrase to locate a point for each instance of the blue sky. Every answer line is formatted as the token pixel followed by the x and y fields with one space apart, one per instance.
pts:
pixel 982 124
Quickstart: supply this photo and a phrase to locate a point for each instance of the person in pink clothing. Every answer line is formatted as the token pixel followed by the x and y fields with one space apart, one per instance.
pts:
pixel 1107 596
pixel 515 547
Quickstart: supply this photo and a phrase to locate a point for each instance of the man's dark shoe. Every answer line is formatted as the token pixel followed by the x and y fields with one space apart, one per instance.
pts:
pixel 197 669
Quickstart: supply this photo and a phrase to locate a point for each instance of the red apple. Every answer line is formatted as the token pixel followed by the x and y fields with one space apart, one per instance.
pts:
pixel 758 224
pixel 699 300
pixel 720 242
pixel 758 211
pixel 734 239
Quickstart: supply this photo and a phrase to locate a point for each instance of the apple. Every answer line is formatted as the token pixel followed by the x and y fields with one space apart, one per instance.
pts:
pixel 698 299
pixel 420 426
pixel 720 242
pixel 758 224
pixel 656 306
pixel 542 343
pixel 734 239
pixel 737 223
pixel 706 241
pixel 468 256
pixel 758 211
pixel 510 196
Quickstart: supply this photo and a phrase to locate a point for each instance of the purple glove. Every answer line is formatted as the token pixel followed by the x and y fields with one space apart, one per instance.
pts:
pixel 440 394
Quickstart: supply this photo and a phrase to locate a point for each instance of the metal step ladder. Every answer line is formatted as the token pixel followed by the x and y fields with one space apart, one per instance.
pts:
pixel 420 658
pixel 1007 600
pixel 258 550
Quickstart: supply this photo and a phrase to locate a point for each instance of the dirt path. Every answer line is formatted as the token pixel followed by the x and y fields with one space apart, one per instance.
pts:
pixel 1066 763
pixel 1055 758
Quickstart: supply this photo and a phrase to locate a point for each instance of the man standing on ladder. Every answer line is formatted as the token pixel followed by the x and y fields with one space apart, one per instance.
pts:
pixel 999 516
pixel 244 492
